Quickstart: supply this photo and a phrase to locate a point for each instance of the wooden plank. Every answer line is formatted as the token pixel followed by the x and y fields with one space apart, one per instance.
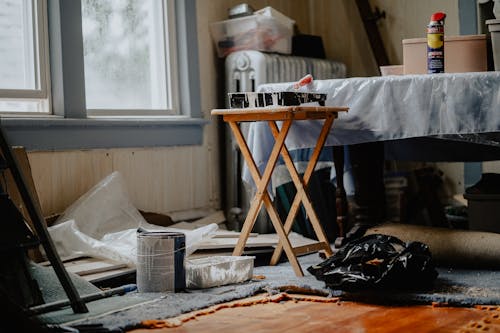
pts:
pixel 261 240
pixel 253 251
pixel 305 249
pixel 231 234
pixel 14 194
pixel 84 265
pixel 369 19
pixel 279 110
pixel 65 259
pixel 62 177
pixel 102 276
pixel 88 266
pixel 165 180
pixel 279 116
pixel 25 169
pixel 217 218
pixel 230 243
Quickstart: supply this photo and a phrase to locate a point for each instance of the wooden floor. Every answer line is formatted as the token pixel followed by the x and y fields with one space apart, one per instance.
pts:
pixel 312 315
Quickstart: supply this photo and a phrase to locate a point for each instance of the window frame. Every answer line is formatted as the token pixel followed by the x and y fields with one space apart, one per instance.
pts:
pixel 167 32
pixel 70 127
pixel 41 92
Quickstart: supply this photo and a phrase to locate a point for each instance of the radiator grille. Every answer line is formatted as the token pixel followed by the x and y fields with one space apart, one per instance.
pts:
pixel 245 70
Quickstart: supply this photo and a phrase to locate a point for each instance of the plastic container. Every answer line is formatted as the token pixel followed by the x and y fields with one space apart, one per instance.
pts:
pixel 494 28
pixel 261 32
pixel 462 54
pixel 218 271
pixel 280 17
pixel 484 212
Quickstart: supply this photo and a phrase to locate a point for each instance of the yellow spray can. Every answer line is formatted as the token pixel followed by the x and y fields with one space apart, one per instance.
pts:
pixel 435 43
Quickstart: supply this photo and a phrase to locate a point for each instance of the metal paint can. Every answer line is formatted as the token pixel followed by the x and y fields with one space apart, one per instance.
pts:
pixel 160 261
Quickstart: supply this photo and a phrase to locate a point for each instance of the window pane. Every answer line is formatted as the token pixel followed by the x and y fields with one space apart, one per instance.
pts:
pixel 23 105
pixel 124 54
pixel 17 45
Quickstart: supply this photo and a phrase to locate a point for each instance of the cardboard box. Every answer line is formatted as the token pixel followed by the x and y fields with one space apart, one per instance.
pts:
pixel 461 54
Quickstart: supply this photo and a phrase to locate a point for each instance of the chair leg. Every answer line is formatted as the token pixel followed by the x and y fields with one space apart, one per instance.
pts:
pixel 340 195
pixel 367 162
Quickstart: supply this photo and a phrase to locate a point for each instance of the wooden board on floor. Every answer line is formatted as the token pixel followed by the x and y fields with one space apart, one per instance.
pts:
pixel 231 234
pixel 217 218
pixel 261 240
pixel 93 269
pixel 89 266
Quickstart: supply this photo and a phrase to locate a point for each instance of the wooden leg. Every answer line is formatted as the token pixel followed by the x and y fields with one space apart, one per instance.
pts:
pixel 282 235
pixel 262 196
pixel 261 183
pixel 301 185
pixel 340 195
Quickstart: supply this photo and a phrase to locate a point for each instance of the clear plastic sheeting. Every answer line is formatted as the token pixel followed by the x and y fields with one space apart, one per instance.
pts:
pixel 459 105
pixel 103 223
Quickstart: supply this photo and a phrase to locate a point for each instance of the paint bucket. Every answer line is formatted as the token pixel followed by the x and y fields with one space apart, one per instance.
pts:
pixel 160 261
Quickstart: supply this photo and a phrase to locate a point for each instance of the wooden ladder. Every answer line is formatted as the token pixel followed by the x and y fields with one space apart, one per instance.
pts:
pixel 8 161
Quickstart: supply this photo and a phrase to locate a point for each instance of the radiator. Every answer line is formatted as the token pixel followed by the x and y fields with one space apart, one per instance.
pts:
pixel 244 72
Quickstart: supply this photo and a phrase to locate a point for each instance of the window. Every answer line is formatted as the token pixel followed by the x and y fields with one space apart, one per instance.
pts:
pixel 23 54
pixel 128 66
pixel 136 59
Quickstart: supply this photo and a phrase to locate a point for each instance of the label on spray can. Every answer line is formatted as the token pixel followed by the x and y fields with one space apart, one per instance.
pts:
pixel 435 43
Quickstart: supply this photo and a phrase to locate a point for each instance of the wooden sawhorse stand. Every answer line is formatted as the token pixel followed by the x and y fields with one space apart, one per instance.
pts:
pixel 285 114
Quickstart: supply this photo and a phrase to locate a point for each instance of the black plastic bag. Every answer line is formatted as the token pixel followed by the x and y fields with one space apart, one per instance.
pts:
pixel 378 261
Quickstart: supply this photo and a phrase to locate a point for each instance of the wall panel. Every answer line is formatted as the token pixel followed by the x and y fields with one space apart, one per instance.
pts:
pixel 62 177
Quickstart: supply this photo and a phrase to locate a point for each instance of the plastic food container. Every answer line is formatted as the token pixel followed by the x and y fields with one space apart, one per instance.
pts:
pixel 261 32
pixel 218 271
pixel 461 54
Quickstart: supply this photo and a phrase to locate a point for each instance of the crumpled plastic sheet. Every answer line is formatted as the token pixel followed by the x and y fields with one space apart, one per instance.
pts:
pixel 377 261
pixel 103 223
pixel 460 105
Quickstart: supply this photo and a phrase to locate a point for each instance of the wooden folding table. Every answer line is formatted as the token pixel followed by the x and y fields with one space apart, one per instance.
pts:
pixel 286 115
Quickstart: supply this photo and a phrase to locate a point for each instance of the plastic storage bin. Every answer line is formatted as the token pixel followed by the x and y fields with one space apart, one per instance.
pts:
pixel 261 32
pixel 461 54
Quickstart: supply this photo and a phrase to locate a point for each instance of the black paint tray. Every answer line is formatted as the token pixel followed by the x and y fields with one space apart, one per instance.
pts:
pixel 284 98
